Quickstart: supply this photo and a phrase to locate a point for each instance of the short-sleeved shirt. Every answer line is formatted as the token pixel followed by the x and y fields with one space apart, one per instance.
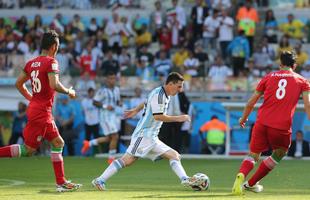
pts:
pixel 108 96
pixel 156 104
pixel 281 90
pixel 37 69
pixel 294 29
pixel 91 112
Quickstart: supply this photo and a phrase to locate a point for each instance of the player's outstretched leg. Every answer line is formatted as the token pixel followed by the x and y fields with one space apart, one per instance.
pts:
pixel 177 168
pixel 246 166
pixel 113 168
pixel 112 147
pixel 16 150
pixel 266 166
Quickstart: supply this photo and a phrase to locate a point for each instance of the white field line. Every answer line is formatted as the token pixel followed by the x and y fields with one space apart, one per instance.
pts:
pixel 10 183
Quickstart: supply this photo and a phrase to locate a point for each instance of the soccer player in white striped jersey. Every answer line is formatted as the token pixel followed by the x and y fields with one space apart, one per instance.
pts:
pixel 108 99
pixel 144 140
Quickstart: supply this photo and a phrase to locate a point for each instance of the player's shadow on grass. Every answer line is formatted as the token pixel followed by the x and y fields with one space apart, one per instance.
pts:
pixel 158 196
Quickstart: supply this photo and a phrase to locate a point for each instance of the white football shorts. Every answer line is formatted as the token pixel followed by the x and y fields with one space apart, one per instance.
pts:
pixel 109 122
pixel 143 147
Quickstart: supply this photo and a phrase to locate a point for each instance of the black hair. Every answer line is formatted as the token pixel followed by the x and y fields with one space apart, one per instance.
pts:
pixel 214 117
pixel 267 19
pixel 48 39
pixel 288 58
pixel 174 77
pixel 110 73
pixel 90 90
pixel 241 32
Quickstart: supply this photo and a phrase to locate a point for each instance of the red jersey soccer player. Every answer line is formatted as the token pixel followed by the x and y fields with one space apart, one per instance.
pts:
pixel 281 91
pixel 43 74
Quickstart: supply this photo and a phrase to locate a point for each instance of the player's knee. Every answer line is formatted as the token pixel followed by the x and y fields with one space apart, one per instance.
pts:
pixel 279 153
pixel 127 163
pixel 58 143
pixel 176 155
pixel 127 160
pixel 115 136
pixel 255 156
pixel 27 151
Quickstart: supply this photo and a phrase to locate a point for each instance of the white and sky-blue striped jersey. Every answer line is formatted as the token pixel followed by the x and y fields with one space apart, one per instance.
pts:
pixel 157 103
pixel 108 96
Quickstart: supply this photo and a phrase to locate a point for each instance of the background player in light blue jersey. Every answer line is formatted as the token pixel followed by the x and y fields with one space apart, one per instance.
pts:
pixel 107 99
pixel 144 141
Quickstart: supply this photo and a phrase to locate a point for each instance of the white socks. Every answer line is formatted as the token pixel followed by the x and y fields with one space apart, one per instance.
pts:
pixel 113 168
pixel 112 153
pixel 93 142
pixel 178 169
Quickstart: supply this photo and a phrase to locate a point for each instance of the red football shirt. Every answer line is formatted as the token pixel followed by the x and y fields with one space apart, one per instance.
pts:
pixel 37 69
pixel 281 90
pixel 85 63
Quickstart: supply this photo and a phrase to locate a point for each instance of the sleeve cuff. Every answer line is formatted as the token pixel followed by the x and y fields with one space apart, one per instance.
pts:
pixel 158 113
pixel 52 72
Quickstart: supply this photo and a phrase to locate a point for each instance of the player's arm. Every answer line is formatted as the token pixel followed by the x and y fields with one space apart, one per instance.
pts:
pixel 20 85
pixel 55 84
pixel 169 118
pixel 249 107
pixel 98 99
pixel 132 112
pixel 157 104
pixel 306 98
pixel 98 104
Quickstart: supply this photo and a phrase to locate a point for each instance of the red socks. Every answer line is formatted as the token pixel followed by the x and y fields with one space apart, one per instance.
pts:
pixel 10 151
pixel 264 168
pixel 58 166
pixel 247 165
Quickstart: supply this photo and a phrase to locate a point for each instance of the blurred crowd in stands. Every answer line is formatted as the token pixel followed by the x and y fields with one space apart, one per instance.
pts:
pixel 212 39
pixel 73 4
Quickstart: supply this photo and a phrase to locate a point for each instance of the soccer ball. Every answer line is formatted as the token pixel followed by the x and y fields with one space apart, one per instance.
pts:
pixel 201 182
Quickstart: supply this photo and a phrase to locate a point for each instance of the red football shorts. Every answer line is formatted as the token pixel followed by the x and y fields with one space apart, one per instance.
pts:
pixel 35 132
pixel 264 137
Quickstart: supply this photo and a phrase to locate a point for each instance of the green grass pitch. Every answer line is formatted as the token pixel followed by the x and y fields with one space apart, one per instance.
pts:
pixel 145 180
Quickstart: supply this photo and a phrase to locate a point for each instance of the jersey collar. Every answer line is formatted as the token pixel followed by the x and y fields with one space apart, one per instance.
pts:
pixel 287 68
pixel 164 91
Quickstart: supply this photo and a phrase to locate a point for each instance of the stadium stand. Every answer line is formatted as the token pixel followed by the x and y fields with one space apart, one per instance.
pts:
pixel 90 29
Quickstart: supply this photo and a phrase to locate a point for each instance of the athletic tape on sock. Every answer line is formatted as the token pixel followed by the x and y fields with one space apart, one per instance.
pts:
pixel 249 158
pixel 15 150
pixel 56 154
pixel 174 162
pixel 56 149
pixel 23 151
pixel 270 162
pixel 276 158
pixel 119 164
